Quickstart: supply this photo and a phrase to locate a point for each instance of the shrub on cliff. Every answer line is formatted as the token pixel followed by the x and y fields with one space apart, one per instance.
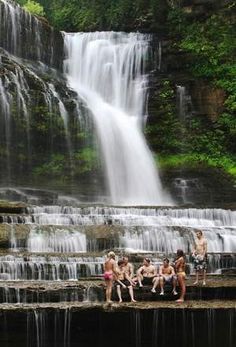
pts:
pixel 34 8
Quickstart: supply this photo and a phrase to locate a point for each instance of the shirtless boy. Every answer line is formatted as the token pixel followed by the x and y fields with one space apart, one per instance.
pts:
pixel 123 280
pixel 200 256
pixel 109 272
pixel 167 275
pixel 147 275
pixel 128 267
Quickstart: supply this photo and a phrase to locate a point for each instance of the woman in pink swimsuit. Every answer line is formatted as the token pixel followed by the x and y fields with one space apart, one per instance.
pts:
pixel 109 271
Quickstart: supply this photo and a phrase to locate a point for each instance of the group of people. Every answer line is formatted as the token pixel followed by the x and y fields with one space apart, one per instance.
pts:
pixel 121 273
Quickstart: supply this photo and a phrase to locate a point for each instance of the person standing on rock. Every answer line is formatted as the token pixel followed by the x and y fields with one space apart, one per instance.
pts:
pixel 200 256
pixel 109 272
pixel 181 275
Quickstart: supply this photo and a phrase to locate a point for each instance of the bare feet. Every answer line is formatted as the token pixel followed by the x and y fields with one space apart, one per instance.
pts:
pixel 174 292
pixel 179 300
pixel 204 283
pixel 195 283
pixel 120 300
pixel 153 290
pixel 162 293
pixel 133 300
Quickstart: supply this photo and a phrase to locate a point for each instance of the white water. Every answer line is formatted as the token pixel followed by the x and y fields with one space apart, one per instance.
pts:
pixel 24 35
pixel 49 268
pixel 157 230
pixel 107 69
pixel 67 215
pixel 56 241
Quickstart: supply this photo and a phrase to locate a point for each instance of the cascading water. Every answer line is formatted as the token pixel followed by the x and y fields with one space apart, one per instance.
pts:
pixel 44 250
pixel 107 70
pixel 19 28
pixel 66 229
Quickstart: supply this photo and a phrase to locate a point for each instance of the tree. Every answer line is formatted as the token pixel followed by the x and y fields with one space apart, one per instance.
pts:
pixel 34 8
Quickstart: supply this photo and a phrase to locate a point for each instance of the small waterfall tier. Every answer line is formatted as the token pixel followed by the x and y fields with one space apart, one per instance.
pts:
pixel 131 216
pixel 49 268
pixel 107 70
pixel 68 229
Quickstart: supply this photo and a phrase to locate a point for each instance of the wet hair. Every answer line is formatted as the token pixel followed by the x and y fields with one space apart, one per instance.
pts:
pixel 111 255
pixel 166 259
pixel 180 253
pixel 147 260
pixel 120 262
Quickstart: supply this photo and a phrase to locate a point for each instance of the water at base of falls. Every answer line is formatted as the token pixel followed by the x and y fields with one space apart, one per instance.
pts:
pixel 107 70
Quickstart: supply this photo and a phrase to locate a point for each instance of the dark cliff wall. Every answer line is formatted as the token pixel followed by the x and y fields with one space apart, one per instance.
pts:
pixel 127 327
pixel 43 139
pixel 192 116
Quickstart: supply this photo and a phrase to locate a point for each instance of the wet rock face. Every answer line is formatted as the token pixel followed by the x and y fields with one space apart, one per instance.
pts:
pixel 128 327
pixel 29 37
pixel 208 101
pixel 38 121
pixel 200 187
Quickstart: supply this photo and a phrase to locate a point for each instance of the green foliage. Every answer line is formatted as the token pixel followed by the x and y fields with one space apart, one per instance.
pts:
pixel 212 45
pixel 192 160
pixel 53 168
pixel 34 8
pixel 165 135
pixel 21 2
pixel 91 15
pixel 85 160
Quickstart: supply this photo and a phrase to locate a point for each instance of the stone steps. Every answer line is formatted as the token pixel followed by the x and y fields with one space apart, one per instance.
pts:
pixel 93 290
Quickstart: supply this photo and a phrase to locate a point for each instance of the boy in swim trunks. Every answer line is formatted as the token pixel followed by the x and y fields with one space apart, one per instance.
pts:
pixel 109 272
pixel 200 256
pixel 167 275
pixel 129 269
pixel 147 275
pixel 123 280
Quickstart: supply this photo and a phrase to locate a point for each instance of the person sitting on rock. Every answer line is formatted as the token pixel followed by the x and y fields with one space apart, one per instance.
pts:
pixel 167 275
pixel 123 280
pixel 129 269
pixel 147 275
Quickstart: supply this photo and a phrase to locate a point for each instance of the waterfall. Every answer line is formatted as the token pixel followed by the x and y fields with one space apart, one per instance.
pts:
pixel 6 99
pixel 159 55
pixel 49 268
pixel 66 215
pixel 58 241
pixel 26 36
pixel 181 102
pixel 107 70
